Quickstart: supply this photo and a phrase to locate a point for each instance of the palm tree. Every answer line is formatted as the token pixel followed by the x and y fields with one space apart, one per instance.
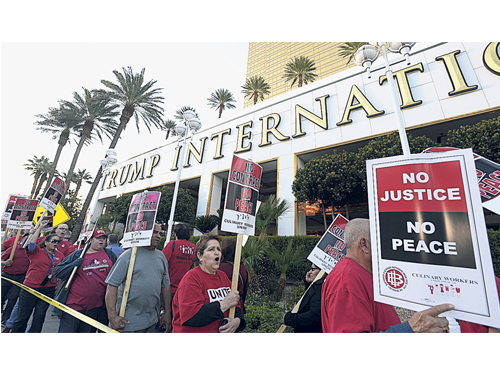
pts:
pixel 269 212
pixel 45 169
pixel 78 179
pixel 61 122
pixel 283 261
pixel 169 125
pixel 256 87
pixel 300 69
pixel 348 49
pixel 36 166
pixel 221 99
pixel 137 99
pixel 97 115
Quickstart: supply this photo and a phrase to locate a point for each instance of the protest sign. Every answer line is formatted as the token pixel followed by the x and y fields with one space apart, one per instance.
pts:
pixel 60 215
pixel 330 249
pixel 22 213
pixel 53 195
pixel 8 207
pixel 488 179
pixel 141 219
pixel 428 235
pixel 241 197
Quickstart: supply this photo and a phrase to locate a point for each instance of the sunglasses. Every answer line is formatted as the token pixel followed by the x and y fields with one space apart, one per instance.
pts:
pixel 55 241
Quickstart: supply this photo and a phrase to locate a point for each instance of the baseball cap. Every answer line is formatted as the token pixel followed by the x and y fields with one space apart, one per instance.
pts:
pixel 99 233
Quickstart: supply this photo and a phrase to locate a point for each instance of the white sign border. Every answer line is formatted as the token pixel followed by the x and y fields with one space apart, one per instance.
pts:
pixel 478 229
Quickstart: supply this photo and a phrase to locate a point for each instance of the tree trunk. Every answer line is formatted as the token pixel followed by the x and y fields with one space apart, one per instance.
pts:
pixel 281 287
pixel 87 130
pixel 127 114
pixel 300 80
pixel 35 183
pixel 40 184
pixel 77 189
pixel 63 139
pixel 324 215
pixel 221 108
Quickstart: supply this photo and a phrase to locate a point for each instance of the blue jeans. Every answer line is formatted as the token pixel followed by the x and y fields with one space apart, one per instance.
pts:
pixel 28 304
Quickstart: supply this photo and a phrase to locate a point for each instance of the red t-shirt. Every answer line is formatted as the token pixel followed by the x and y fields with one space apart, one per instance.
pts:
pixel 347 303
pixel 468 327
pixel 88 287
pixel 10 241
pixel 40 264
pixel 196 289
pixel 20 262
pixel 64 246
pixel 179 261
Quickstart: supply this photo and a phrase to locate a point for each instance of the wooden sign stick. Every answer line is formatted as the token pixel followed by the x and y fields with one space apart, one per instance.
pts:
pixel 297 305
pixel 128 282
pixel 7 231
pixel 236 270
pixel 15 245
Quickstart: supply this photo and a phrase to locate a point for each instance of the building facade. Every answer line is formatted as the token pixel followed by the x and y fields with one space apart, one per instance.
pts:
pixel 268 60
pixel 446 85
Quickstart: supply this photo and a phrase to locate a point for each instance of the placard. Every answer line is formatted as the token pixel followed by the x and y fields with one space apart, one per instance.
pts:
pixel 242 191
pixel 330 249
pixel 53 195
pixel 428 235
pixel 141 219
pixel 23 212
pixel 488 179
pixel 8 206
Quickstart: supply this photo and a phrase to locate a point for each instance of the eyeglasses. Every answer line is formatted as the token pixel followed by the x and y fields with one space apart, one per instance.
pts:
pixel 55 242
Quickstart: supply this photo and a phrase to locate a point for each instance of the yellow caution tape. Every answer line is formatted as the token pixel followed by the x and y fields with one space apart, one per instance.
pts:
pixel 59 305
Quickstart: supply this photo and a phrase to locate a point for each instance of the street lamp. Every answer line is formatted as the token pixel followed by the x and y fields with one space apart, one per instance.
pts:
pixel 190 123
pixel 106 163
pixel 366 55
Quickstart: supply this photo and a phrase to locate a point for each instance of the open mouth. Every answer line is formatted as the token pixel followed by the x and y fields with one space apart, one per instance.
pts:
pixel 217 259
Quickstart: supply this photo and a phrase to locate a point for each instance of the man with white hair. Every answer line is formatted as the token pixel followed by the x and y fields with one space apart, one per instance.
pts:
pixel 347 300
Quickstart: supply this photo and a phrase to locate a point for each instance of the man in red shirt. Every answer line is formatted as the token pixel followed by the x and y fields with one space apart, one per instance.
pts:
pixel 87 289
pixel 347 301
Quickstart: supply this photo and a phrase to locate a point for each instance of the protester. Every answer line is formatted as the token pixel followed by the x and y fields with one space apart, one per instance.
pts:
pixel 40 276
pixel 468 327
pixel 87 289
pixel 228 250
pixel 308 317
pixel 65 246
pixel 179 254
pixel 347 300
pixel 204 296
pixel 113 245
pixel 150 284
pixel 9 242
pixel 14 269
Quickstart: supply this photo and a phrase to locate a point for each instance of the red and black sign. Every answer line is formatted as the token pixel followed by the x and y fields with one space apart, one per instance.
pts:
pixel 423 214
pixel 243 186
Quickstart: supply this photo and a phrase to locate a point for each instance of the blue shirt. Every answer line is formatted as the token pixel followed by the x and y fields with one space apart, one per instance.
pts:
pixel 115 249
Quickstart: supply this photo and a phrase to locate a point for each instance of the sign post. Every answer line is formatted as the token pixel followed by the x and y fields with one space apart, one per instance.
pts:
pixel 240 208
pixel 428 235
pixel 138 231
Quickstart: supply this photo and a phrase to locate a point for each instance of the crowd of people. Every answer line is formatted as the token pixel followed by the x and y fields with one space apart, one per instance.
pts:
pixel 146 290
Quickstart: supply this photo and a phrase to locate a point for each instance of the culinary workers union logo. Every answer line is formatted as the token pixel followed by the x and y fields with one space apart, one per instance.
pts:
pixel 395 279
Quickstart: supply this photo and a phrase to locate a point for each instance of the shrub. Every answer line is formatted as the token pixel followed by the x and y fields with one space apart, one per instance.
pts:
pixel 494 238
pixel 263 315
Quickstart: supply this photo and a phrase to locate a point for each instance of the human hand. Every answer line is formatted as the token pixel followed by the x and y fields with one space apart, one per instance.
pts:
pixel 428 320
pixel 118 323
pixel 231 326
pixel 167 321
pixel 231 300
pixel 7 263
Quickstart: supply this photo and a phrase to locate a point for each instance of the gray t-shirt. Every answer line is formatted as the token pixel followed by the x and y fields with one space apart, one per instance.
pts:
pixel 149 277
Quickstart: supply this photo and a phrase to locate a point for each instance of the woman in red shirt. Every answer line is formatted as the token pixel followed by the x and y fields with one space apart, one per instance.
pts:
pixel 40 276
pixel 204 296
